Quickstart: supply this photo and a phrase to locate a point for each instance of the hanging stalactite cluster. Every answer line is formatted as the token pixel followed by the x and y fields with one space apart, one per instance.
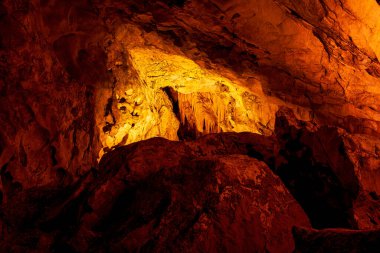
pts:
pixel 207 111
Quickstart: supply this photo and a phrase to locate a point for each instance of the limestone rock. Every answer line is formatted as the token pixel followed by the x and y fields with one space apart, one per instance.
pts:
pixel 158 195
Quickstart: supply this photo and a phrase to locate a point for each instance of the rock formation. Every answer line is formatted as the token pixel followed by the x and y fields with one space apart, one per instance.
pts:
pixel 85 85
pixel 160 196
pixel 336 240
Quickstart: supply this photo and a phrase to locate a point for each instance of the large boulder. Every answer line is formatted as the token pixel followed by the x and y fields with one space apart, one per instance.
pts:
pixel 158 196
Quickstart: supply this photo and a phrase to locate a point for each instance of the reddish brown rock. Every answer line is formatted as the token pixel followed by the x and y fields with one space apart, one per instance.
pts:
pixel 79 78
pixel 159 195
pixel 336 240
pixel 63 63
pixel 325 174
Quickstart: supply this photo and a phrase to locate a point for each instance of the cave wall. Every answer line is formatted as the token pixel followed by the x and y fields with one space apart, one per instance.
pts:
pixel 76 79
pixel 81 79
pixel 47 97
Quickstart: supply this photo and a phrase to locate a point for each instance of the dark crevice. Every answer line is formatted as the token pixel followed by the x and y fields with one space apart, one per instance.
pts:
pixel 326 198
pixel 68 218
pixel 170 34
pixel 178 3
pixel 374 196
pixel 136 207
pixel 108 108
pixel 108 111
pixel 295 14
pixel 107 128
pixel 325 45
pixel 186 131
pixel 53 152
pixel 173 96
pixel 23 156
pixel 253 153
pixel 319 192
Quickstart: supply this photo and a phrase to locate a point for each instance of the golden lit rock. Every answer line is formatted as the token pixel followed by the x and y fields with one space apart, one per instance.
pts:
pixel 208 102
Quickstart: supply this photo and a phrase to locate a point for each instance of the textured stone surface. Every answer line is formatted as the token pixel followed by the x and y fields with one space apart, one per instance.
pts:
pixel 336 240
pixel 161 196
pixel 47 97
pixel 318 167
pixel 216 193
pixel 79 78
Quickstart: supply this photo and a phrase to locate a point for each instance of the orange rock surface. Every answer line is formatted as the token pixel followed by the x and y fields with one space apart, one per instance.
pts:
pixel 79 79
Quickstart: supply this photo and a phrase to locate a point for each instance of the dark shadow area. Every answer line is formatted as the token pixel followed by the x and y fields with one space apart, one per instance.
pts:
pixel 326 193
pixel 186 131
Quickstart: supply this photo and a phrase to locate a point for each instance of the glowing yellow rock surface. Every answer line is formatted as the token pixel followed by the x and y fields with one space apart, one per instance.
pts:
pixel 215 102
pixel 207 101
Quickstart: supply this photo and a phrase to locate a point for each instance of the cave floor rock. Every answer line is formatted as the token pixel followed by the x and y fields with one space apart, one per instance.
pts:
pixel 159 196
pixel 215 194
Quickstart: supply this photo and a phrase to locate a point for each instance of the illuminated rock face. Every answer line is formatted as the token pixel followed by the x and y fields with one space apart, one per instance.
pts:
pixel 175 72
pixel 80 78
pixel 316 58
pixel 159 91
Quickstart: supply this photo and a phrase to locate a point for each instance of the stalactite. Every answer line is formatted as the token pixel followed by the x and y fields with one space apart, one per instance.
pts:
pixel 206 111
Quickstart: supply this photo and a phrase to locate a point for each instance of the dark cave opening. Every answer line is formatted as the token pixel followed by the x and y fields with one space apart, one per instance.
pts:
pixel 324 194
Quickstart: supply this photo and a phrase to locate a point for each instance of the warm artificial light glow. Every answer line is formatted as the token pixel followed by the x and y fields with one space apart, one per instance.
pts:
pixel 207 102
pixel 215 102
